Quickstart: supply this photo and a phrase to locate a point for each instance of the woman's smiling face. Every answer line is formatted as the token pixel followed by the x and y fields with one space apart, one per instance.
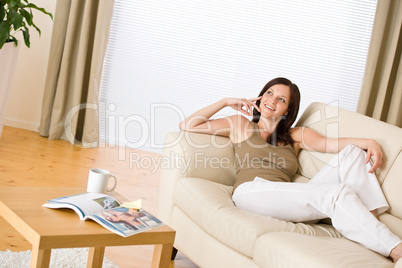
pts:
pixel 275 101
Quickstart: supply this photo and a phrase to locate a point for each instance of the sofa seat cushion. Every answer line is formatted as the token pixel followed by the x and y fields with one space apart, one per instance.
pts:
pixel 299 250
pixel 209 204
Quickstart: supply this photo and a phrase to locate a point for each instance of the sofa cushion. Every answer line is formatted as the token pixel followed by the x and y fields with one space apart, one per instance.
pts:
pixel 299 250
pixel 210 205
pixel 210 251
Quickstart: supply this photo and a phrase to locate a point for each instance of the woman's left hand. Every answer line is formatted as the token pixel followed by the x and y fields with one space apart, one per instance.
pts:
pixel 374 149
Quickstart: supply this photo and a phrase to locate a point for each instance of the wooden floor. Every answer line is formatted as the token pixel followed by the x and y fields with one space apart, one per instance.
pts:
pixel 28 160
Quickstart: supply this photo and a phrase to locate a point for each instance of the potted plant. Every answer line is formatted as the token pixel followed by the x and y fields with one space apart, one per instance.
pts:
pixel 15 16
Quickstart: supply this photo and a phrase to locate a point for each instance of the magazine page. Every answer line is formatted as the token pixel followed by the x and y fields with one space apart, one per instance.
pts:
pixel 126 221
pixel 84 204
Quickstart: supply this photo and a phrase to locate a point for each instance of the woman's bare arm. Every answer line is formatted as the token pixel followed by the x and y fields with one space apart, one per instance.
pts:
pixel 200 121
pixel 310 140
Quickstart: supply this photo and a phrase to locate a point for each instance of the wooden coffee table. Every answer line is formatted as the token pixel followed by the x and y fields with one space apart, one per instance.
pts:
pixel 48 228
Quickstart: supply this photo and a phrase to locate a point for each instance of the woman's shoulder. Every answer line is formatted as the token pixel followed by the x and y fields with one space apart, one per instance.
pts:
pixel 296 133
pixel 240 120
pixel 299 133
pixel 307 138
pixel 242 127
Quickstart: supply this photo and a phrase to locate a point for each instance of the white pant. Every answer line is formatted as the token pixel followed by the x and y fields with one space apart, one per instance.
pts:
pixel 343 191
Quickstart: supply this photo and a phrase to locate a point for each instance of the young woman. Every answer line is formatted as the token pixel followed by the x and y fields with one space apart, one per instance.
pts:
pixel 346 190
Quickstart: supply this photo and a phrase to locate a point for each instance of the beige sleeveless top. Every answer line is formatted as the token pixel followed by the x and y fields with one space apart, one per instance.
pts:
pixel 255 157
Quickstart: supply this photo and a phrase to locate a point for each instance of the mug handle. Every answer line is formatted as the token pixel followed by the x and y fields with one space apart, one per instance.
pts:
pixel 115 183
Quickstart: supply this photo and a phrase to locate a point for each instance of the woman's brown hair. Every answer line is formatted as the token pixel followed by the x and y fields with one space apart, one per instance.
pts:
pixel 281 133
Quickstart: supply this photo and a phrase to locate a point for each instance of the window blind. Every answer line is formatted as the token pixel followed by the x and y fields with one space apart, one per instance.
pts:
pixel 166 59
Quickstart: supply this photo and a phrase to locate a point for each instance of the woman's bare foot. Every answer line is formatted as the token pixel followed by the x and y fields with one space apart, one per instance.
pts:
pixel 396 253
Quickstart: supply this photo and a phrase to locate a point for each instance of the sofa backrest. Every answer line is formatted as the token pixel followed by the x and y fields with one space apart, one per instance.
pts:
pixel 201 156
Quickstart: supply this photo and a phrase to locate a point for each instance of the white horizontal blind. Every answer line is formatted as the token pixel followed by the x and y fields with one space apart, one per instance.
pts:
pixel 166 59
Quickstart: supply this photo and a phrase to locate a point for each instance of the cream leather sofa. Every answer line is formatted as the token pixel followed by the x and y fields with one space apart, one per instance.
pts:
pixel 197 174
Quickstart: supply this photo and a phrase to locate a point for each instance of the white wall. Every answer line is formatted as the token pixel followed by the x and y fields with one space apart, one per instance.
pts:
pixel 24 106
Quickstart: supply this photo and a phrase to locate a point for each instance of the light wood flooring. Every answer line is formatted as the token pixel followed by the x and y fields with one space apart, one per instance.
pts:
pixel 28 160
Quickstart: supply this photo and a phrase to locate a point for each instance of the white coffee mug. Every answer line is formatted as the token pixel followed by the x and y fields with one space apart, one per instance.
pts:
pixel 98 181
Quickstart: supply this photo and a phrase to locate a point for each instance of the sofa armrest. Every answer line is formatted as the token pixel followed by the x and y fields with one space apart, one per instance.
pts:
pixel 196 155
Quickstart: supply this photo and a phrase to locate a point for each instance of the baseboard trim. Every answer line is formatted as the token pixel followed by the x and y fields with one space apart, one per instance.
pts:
pixel 10 122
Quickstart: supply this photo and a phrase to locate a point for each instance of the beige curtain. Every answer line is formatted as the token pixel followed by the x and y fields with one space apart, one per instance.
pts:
pixel 381 95
pixel 79 40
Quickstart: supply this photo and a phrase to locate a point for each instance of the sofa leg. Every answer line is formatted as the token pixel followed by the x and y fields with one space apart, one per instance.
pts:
pixel 174 253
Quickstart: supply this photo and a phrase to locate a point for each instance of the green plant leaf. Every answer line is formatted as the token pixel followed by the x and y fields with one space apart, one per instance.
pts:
pixel 36 27
pixel 13 39
pixel 2 12
pixel 16 19
pixel 27 15
pixel 25 33
pixel 12 3
pixel 20 4
pixel 30 5
pixel 4 33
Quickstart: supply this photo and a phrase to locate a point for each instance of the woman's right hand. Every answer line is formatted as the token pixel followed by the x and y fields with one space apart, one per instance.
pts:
pixel 243 105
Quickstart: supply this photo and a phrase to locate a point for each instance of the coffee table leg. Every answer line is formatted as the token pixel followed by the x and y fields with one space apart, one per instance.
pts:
pixel 40 258
pixel 95 257
pixel 162 254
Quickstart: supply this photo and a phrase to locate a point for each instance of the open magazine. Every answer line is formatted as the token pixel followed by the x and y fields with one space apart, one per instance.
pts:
pixel 108 212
